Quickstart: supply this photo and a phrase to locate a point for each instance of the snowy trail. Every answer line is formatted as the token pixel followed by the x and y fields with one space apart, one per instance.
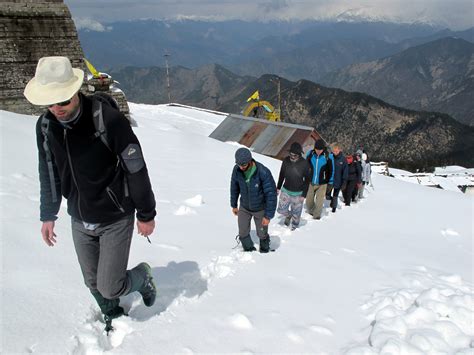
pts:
pixel 391 273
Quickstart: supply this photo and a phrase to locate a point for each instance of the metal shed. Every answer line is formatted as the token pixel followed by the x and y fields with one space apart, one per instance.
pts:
pixel 266 137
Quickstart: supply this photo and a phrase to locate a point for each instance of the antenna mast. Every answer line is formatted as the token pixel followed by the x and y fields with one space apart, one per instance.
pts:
pixel 168 77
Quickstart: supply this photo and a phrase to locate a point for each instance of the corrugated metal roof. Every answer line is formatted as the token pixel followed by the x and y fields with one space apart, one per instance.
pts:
pixel 262 136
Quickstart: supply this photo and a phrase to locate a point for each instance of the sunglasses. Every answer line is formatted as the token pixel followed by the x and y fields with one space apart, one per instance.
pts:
pixel 64 103
pixel 293 155
pixel 243 165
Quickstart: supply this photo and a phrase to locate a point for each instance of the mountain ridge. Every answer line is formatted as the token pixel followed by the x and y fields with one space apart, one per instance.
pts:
pixel 435 76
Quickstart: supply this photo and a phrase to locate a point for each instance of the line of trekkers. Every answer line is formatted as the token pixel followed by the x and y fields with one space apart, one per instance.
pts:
pixel 321 175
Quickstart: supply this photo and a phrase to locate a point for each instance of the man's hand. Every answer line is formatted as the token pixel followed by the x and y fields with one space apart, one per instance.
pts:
pixel 235 211
pixel 47 232
pixel 265 221
pixel 145 228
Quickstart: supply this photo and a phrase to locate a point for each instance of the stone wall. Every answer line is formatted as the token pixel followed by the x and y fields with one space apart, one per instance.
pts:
pixel 29 30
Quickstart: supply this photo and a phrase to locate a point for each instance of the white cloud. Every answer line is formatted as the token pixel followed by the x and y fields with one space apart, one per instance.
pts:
pixel 456 14
pixel 90 24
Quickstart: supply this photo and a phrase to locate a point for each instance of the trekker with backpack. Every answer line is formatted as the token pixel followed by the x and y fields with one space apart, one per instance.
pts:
pixel 321 167
pixel 102 174
pixel 254 183
pixel 296 173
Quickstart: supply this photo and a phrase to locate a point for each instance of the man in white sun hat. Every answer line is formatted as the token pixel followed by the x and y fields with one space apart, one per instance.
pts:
pixel 103 184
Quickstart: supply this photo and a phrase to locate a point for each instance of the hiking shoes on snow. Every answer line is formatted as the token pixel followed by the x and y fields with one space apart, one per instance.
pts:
pixel 287 221
pixel 247 243
pixel 265 245
pixel 148 289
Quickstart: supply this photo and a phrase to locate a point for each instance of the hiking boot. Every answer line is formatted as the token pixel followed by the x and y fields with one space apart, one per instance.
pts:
pixel 333 210
pixel 265 245
pixel 148 289
pixel 293 227
pixel 109 308
pixel 247 243
pixel 142 281
pixel 287 221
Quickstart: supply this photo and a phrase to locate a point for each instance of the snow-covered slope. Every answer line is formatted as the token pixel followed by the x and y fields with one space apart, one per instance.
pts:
pixel 392 273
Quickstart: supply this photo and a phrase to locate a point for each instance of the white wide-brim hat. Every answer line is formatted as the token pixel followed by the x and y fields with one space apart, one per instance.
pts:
pixel 55 81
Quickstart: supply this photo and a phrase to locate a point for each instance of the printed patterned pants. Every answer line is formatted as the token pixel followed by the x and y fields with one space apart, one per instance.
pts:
pixel 291 206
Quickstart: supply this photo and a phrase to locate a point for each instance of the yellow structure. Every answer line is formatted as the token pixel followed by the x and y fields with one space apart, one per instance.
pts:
pixel 261 109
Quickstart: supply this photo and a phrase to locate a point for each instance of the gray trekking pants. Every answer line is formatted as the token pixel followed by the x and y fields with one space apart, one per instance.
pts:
pixel 103 255
pixel 245 217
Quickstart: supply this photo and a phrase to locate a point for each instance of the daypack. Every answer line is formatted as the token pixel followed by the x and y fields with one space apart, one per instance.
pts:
pixel 98 99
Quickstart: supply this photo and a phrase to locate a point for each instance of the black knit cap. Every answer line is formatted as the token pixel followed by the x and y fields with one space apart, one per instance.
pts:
pixel 243 156
pixel 296 148
pixel 319 144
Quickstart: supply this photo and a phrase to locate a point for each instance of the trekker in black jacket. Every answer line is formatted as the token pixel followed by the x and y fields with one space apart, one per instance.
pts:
pixel 296 173
pixel 340 174
pixel 103 185
pixel 354 177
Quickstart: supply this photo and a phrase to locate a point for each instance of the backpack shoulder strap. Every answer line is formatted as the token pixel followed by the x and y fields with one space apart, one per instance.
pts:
pixel 49 159
pixel 98 118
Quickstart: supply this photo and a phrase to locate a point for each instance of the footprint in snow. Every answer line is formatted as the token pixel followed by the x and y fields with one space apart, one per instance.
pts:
pixel 321 330
pixel 94 339
pixel 184 211
pixel 195 201
pixel 295 338
pixel 330 320
pixel 449 233
pixel 168 247
pixel 240 321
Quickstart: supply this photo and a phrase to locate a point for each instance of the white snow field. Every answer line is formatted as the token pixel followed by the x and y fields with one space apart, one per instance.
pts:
pixel 391 274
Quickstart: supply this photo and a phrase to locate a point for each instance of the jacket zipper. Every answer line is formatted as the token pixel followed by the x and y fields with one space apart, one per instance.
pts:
pixel 73 176
pixel 114 199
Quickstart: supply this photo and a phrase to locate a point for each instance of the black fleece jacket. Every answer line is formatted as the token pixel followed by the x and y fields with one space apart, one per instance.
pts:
pixel 100 185
pixel 297 175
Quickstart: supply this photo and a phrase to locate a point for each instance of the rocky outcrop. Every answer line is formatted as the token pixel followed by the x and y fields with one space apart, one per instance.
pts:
pixel 29 30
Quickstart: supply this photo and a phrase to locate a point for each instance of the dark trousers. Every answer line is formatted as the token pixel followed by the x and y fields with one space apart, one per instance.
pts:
pixel 335 197
pixel 347 194
pixel 329 189
pixel 103 255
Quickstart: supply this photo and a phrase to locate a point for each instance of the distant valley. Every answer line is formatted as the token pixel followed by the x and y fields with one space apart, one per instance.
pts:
pixel 387 71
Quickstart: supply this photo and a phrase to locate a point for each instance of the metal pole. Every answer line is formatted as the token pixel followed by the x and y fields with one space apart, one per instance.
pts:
pixel 168 77
pixel 279 100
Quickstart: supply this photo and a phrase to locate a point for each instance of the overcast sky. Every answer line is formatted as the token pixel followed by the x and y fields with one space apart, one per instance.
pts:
pixel 455 14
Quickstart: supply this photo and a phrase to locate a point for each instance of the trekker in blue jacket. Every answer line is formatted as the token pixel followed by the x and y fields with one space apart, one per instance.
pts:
pixel 258 199
pixel 322 170
pixel 340 173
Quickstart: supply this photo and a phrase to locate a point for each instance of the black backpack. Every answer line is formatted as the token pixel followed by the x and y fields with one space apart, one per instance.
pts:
pixel 98 99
